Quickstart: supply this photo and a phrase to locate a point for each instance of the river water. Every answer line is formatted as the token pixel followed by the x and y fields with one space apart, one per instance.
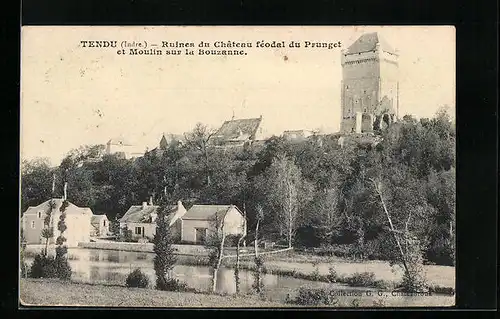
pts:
pixel 112 267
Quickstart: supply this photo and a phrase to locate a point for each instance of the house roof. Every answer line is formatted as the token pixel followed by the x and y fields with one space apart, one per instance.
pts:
pixel 96 219
pixel 138 214
pixel 207 212
pixel 241 129
pixel 72 209
pixel 368 42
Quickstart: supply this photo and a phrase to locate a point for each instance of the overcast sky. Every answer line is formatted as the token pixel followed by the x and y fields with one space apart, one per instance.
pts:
pixel 71 96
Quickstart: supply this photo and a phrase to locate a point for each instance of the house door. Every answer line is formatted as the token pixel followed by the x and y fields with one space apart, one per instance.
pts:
pixel 200 235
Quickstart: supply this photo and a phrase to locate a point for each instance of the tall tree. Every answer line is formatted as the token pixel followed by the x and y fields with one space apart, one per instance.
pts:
pixel 165 258
pixel 36 182
pixel 285 186
pixel 198 139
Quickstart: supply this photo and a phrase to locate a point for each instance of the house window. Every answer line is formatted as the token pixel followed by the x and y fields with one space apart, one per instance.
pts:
pixel 39 214
pixel 138 230
pixel 104 223
pixel 33 224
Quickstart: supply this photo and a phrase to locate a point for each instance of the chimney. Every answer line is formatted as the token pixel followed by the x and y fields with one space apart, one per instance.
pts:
pixel 65 191
pixel 151 200
pixel 179 204
pixel 144 205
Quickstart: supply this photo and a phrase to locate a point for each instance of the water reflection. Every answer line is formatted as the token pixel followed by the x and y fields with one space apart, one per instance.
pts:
pixel 112 267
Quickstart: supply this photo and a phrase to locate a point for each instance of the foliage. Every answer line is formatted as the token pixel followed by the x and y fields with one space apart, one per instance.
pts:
pixel 126 234
pixel 364 279
pixel 414 279
pixel 47 266
pixel 258 283
pixel 332 274
pixel 137 279
pixel 61 262
pixel 322 188
pixel 315 297
pixel 164 259
pixel 22 262
pixel 36 181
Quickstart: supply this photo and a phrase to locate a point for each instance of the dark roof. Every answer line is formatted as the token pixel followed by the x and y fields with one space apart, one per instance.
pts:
pixel 368 42
pixel 242 129
pixel 207 212
pixel 138 214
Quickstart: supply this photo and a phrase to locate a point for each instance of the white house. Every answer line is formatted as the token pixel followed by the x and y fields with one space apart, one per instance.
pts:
pixel 141 220
pixel 200 220
pixel 78 222
pixel 100 226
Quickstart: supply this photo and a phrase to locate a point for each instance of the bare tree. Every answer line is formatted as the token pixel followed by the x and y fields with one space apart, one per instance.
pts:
pixel 260 217
pixel 240 240
pixel 215 242
pixel 199 139
pixel 284 178
pixel 394 232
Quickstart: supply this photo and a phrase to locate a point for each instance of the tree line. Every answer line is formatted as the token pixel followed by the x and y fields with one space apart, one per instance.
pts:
pixel 309 193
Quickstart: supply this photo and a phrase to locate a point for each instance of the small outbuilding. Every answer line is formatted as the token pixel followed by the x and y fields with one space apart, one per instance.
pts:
pixel 201 221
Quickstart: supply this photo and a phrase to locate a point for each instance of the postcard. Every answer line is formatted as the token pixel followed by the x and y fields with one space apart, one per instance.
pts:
pixel 237 166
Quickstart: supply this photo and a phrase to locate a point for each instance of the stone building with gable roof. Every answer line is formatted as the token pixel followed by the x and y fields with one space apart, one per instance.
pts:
pixel 238 132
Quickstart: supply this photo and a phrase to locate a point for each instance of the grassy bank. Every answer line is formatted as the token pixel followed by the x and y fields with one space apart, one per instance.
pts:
pixel 353 274
pixel 45 292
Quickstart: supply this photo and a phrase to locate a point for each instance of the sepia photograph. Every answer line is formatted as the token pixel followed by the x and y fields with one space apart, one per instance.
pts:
pixel 237 166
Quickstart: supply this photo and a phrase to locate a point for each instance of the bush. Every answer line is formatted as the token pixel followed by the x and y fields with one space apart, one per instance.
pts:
pixel 332 274
pixel 63 268
pixel 43 267
pixel 137 279
pixel 314 297
pixel 364 279
pixel 441 253
pixel 171 284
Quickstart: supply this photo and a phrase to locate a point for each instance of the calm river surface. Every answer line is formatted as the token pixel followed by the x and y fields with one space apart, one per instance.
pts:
pixel 111 266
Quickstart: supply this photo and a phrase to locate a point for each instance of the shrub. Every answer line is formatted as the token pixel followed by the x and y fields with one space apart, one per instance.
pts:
pixel 364 279
pixel 332 274
pixel 315 276
pixel 258 284
pixel 63 268
pixel 315 297
pixel 171 284
pixel 43 267
pixel 137 279
pixel 414 277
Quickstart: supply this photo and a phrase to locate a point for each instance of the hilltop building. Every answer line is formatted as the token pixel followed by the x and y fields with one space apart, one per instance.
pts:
pixel 370 85
pixel 167 139
pixel 297 135
pixel 238 132
pixel 122 148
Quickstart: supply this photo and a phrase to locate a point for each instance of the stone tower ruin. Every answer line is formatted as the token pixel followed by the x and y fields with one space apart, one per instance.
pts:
pixel 370 85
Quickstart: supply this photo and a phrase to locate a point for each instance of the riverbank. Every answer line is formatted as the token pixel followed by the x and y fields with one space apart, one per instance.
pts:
pixel 48 292
pixel 441 279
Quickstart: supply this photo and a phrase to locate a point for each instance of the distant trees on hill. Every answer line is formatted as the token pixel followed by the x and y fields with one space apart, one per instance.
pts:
pixel 312 194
